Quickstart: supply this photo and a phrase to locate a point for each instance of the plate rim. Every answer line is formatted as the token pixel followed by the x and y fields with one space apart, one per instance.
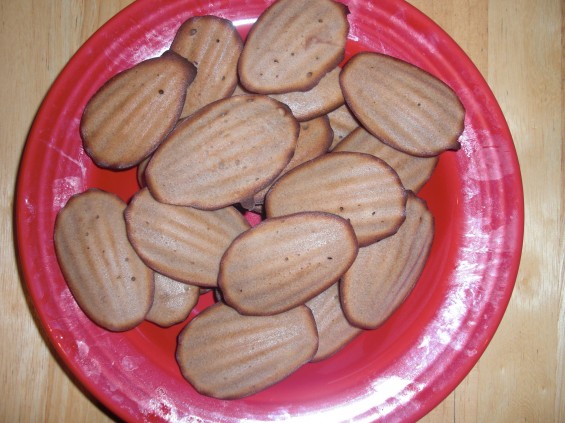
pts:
pixel 20 229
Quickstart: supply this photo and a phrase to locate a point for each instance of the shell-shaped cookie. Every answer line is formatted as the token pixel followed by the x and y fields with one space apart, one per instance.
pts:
pixel 172 302
pixel 357 186
pixel 140 171
pixel 413 171
pixel 342 122
pixel 213 45
pixel 131 114
pixel 320 100
pixel 181 242
pixel 108 280
pixel 403 105
pixel 293 44
pixel 283 262
pixel 384 273
pixel 226 355
pixel 334 330
pixel 224 153
pixel 314 140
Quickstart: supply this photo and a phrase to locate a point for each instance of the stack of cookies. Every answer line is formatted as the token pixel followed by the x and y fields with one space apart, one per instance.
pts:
pixel 331 155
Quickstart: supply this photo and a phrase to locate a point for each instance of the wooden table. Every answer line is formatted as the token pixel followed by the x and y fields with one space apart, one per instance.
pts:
pixel 516 44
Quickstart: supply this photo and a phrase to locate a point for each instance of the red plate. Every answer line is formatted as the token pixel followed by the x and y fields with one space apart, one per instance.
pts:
pixel 396 373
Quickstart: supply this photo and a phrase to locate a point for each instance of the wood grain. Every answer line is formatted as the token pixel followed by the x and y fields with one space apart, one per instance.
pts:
pixel 518 47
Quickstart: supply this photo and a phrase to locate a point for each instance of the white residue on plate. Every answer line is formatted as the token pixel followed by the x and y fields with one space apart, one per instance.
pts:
pixel 487 160
pixel 90 365
pixel 63 188
pixel 130 363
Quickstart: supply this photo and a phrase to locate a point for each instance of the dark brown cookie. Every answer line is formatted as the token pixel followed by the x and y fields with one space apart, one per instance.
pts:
pixel 334 330
pixel 213 45
pixel 105 275
pixel 413 171
pixel 385 273
pixel 342 122
pixel 293 44
pixel 314 140
pixel 226 355
pixel 133 112
pixel 401 104
pixel 224 153
pixel 320 100
pixel 173 301
pixel 183 243
pixel 359 187
pixel 283 262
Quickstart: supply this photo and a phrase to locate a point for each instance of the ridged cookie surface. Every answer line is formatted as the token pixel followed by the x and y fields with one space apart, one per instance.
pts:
pixel 359 187
pixel 320 100
pixel 406 107
pixel 226 355
pixel 384 273
pixel 181 242
pixel 413 171
pixel 108 280
pixel 224 153
pixel 213 45
pixel 172 302
pixel 140 171
pixel 314 140
pixel 283 262
pixel 134 111
pixel 334 330
pixel 342 122
pixel 293 44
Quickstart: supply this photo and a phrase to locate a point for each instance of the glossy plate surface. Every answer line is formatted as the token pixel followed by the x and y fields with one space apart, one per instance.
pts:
pixel 396 373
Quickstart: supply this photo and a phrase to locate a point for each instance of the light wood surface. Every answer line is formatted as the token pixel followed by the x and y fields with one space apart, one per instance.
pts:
pixel 516 44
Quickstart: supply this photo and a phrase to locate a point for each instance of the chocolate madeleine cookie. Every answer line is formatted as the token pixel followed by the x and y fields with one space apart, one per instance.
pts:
pixel 108 280
pixel 224 153
pixel 314 140
pixel 181 242
pixel 359 187
pixel 283 262
pixel 334 330
pixel 413 171
pixel 226 355
pixel 342 122
pixel 131 114
pixel 212 45
pixel 403 105
pixel 320 100
pixel 172 302
pixel 140 171
pixel 384 273
pixel 293 44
